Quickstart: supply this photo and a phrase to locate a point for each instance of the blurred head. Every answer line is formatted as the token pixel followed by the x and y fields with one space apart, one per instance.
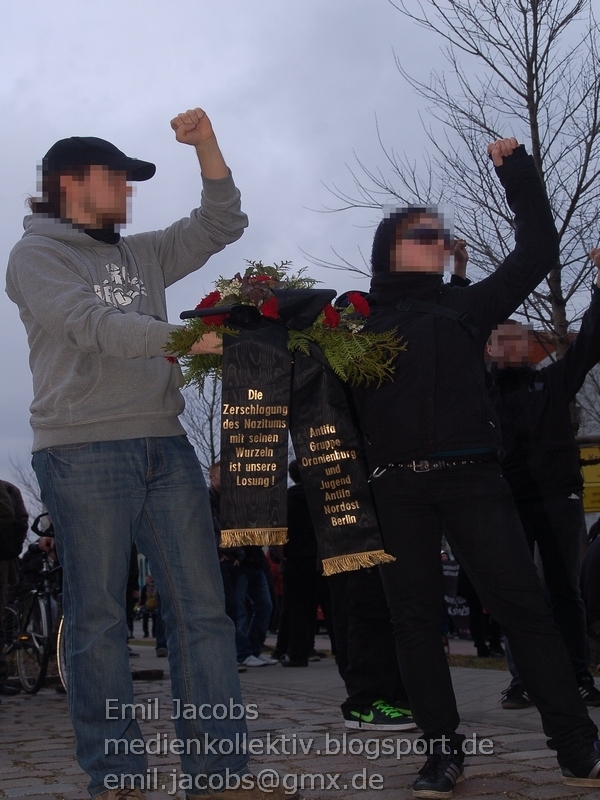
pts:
pixel 97 199
pixel 412 239
pixel 508 345
pixel 85 180
pixel 214 475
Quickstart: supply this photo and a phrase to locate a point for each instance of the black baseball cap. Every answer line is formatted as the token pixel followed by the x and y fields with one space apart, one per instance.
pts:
pixel 83 151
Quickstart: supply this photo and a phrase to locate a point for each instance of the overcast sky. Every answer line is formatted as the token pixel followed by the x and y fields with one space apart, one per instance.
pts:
pixel 292 89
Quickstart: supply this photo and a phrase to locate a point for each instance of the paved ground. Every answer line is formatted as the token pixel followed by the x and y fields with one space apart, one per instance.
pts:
pixel 37 760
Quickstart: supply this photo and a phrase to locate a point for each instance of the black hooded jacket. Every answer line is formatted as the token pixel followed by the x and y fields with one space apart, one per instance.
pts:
pixel 438 401
pixel 542 456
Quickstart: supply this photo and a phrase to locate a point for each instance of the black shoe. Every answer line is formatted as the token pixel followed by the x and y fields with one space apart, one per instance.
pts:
pixel 497 651
pixel 585 772
pixel 515 697
pixel 440 773
pixel 483 652
pixel 8 690
pixel 587 690
pixel 380 716
pixel 288 662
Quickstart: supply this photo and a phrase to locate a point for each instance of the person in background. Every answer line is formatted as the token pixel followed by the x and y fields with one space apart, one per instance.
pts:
pixel 590 586
pixel 13 529
pixel 299 562
pixel 253 608
pixel 366 654
pixel 541 465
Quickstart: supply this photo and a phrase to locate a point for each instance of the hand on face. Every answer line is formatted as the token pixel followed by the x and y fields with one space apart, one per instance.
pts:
pixel 193 127
pixel 461 257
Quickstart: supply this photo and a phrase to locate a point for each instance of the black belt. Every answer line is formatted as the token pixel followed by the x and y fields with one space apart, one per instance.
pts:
pixel 429 464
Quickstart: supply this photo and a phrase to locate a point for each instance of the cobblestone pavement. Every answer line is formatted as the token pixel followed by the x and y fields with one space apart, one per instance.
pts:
pixel 37 753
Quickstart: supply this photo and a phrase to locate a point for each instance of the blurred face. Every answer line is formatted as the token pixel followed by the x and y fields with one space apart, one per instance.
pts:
pixel 422 245
pixel 509 346
pixel 98 200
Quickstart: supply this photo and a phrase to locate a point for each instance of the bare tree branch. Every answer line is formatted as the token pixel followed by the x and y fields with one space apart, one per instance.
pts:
pixel 529 68
pixel 202 421
pixel 25 479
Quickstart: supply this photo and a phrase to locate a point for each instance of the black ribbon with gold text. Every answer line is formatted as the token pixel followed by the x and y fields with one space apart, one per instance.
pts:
pixel 257 377
pixel 334 478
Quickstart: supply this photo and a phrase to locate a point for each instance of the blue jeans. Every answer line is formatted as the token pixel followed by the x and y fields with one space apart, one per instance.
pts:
pixel 251 586
pixel 103 497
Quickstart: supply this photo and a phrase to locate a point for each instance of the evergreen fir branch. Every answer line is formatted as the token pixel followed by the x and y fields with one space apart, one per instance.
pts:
pixel 356 358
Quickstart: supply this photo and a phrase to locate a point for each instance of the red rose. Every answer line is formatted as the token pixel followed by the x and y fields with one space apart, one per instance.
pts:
pixel 360 304
pixel 171 359
pixel 332 317
pixel 270 308
pixel 210 301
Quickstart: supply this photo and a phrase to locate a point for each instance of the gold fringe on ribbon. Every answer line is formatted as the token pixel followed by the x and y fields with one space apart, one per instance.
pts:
pixel 352 561
pixel 238 537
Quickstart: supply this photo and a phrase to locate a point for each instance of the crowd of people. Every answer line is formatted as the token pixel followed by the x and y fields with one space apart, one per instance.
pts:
pixel 483 457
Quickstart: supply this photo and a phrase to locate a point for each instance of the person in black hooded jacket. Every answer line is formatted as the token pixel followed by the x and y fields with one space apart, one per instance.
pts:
pixel 432 440
pixel 542 468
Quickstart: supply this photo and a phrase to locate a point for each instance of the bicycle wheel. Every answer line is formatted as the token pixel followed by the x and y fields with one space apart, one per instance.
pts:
pixel 61 656
pixel 33 651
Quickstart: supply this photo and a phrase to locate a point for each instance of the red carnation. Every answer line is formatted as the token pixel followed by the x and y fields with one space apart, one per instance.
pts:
pixel 332 317
pixel 210 301
pixel 270 308
pixel 360 304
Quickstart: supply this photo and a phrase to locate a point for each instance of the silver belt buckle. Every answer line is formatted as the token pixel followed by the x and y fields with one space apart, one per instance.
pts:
pixel 421 466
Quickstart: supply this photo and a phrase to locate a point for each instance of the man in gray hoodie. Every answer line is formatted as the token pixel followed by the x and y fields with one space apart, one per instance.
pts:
pixel 112 459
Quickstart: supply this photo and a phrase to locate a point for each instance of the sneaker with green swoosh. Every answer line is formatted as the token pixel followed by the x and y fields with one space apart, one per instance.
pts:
pixel 380 716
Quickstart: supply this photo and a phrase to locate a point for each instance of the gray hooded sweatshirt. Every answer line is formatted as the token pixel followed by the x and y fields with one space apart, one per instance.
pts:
pixel 95 316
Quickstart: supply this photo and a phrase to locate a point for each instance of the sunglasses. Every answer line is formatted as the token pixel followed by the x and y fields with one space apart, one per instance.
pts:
pixel 429 236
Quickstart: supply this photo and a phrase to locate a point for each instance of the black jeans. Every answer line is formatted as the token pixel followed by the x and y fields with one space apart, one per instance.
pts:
pixel 366 650
pixel 475 506
pixel 557 525
pixel 298 608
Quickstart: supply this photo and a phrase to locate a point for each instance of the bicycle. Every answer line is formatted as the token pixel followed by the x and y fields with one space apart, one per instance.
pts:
pixel 33 625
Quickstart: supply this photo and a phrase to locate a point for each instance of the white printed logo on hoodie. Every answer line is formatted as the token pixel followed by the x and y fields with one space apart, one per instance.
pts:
pixel 119 289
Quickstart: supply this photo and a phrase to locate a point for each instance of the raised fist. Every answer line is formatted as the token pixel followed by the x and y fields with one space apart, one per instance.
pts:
pixel 501 148
pixel 193 127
